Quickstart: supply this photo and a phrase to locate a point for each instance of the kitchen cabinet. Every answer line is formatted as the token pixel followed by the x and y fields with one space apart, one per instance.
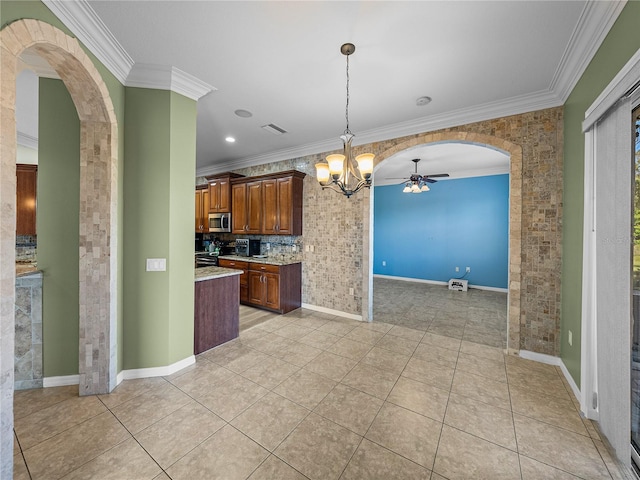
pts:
pixel 220 192
pixel 273 287
pixel 264 285
pixel 202 210
pixel 244 281
pixel 279 209
pixel 26 191
pixel 246 198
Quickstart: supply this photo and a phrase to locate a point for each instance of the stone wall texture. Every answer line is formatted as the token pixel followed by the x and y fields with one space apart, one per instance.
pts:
pixel 339 228
pixel 28 339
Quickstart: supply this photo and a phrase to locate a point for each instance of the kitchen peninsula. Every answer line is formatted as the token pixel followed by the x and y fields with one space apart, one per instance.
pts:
pixel 217 307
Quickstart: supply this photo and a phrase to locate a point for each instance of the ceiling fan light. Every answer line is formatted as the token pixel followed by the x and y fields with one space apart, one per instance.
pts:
pixel 425 188
pixel 407 189
pixel 415 188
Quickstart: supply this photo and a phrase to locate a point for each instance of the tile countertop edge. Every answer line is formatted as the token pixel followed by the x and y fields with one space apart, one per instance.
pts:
pixel 266 261
pixel 211 273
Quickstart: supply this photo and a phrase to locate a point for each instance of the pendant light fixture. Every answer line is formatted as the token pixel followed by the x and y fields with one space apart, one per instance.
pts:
pixel 340 172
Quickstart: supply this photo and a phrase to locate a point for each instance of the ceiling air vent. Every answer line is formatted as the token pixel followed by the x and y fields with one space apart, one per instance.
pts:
pixel 276 130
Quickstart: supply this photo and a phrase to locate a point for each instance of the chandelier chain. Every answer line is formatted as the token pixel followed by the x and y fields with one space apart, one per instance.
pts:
pixel 346 113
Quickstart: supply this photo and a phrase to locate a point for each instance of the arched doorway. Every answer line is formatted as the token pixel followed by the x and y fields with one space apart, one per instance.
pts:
pixel 98 200
pixel 515 219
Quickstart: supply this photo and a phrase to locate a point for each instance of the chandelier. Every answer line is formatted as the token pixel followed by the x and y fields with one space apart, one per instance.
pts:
pixel 340 172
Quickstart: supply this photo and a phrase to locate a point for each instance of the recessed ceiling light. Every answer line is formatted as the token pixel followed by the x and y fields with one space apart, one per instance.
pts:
pixel 243 113
pixel 422 101
pixel 230 139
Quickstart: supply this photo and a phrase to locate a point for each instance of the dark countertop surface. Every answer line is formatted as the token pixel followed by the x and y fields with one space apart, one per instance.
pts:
pixel 275 259
pixel 211 273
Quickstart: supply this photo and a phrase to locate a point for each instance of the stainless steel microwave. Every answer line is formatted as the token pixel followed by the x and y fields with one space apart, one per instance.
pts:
pixel 219 222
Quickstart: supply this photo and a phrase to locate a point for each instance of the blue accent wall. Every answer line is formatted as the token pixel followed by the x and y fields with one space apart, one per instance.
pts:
pixel 458 223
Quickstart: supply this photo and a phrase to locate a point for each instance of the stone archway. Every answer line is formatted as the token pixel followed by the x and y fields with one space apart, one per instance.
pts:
pixel 515 218
pixel 98 201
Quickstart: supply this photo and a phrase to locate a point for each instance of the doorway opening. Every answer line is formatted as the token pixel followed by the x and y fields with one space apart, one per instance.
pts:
pixel 98 188
pixel 457 229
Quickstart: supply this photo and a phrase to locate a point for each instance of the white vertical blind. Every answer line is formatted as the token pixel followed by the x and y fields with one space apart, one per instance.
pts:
pixel 613 247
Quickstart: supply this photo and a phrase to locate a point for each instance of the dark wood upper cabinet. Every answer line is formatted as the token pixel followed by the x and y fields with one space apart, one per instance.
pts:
pixel 26 195
pixel 269 204
pixel 202 210
pixel 220 192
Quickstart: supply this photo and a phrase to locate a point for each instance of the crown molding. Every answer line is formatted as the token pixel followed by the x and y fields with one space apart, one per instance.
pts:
pixel 162 77
pixel 79 17
pixel 27 140
pixel 83 21
pixel 487 111
pixel 594 24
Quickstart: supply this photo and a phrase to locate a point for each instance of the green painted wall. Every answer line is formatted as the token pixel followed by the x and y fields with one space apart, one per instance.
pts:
pixel 53 315
pixel 160 177
pixel 57 226
pixel 182 186
pixel 621 43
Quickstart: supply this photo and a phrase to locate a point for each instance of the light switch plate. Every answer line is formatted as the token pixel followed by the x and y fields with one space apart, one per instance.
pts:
pixel 156 264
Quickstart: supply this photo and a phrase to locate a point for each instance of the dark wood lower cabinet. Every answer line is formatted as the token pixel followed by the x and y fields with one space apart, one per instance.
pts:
pixel 217 313
pixel 273 287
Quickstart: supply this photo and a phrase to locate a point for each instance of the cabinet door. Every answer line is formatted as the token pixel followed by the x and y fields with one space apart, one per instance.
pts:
pixel 239 206
pixel 224 195
pixel 271 283
pixel 270 207
pixel 254 207
pixel 285 206
pixel 26 184
pixel 198 211
pixel 256 288
pixel 214 196
pixel 205 210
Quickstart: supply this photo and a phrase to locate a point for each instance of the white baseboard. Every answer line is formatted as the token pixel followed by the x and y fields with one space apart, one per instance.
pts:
pixel 157 371
pixel 330 311
pixel 124 374
pixel 551 360
pixel 438 282
pixel 62 381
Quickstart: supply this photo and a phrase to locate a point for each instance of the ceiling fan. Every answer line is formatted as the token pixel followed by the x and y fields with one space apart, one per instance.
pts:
pixel 417 183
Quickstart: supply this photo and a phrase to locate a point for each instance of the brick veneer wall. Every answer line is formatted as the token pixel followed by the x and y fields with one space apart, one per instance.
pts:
pixel 339 228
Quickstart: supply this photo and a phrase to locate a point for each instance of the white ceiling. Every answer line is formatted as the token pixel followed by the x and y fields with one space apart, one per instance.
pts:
pixel 282 62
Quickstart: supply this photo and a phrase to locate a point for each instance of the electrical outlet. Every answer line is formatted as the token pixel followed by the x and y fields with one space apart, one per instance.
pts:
pixel 351 292
pixel 457 269
pixel 570 338
pixel 384 263
pixel 268 245
pixel 294 248
pixel 306 248
pixel 312 248
pixel 468 270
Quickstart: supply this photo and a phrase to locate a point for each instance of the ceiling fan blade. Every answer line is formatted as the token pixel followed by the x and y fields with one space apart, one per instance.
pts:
pixel 428 180
pixel 437 175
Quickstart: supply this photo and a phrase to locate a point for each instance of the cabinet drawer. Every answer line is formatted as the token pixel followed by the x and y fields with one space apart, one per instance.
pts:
pixel 233 264
pixel 263 267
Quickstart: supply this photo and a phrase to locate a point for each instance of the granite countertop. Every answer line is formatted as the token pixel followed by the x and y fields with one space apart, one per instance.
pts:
pixel 210 273
pixel 276 259
pixel 24 269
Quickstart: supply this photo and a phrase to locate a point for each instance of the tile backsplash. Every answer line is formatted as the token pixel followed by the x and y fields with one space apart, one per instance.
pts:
pixel 26 248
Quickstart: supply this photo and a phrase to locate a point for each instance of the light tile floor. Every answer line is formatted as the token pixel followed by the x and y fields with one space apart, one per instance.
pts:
pixel 478 316
pixel 307 395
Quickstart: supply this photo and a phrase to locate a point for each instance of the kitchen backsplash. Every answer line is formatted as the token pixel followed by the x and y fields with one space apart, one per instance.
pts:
pixel 271 245
pixel 26 248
